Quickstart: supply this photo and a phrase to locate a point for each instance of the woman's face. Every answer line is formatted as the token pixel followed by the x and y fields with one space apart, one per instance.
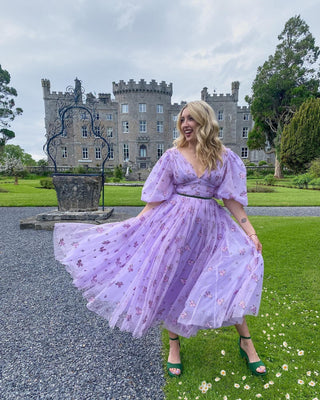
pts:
pixel 189 126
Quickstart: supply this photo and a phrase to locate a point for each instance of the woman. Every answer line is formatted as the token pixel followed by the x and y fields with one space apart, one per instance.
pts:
pixel 182 262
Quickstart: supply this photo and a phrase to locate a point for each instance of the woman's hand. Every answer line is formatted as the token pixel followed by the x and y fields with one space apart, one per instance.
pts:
pixel 256 242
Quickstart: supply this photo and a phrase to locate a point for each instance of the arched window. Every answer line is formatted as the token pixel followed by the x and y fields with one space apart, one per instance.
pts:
pixel 143 151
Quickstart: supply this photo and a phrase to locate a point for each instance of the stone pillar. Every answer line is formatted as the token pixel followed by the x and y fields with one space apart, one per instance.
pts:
pixel 77 192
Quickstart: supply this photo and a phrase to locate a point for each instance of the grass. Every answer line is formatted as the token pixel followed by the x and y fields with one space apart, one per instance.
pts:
pixel 28 193
pixel 285 332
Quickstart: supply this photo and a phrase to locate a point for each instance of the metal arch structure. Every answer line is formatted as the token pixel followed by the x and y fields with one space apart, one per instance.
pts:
pixel 77 93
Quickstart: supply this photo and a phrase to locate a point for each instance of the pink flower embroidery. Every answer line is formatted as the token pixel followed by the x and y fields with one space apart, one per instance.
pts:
pixel 119 284
pixel 220 301
pixel 79 263
pixel 242 304
pixel 61 242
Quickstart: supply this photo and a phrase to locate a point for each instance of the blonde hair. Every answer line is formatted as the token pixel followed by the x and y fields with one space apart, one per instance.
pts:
pixel 209 148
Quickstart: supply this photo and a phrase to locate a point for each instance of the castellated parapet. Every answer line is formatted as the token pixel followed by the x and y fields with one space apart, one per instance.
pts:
pixel 142 86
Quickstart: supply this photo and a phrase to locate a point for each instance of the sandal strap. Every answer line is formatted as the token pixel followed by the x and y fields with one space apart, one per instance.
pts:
pixel 176 338
pixel 245 337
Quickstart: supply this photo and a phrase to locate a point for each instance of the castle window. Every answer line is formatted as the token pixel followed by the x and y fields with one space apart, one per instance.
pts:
pixel 109 132
pixel 84 131
pixel 143 165
pixel 220 115
pixel 246 117
pixel 221 133
pixel 175 118
pixel 98 153
pixel 142 107
pixel 84 115
pixel 143 151
pixel 85 153
pixel 97 116
pixel 175 133
pixel 160 150
pixel 245 131
pixel 143 126
pixel 160 126
pixel 124 108
pixel 244 152
pixel 125 126
pixel 97 130
pixel 125 151
pixel 160 108
pixel 109 117
pixel 111 151
pixel 64 152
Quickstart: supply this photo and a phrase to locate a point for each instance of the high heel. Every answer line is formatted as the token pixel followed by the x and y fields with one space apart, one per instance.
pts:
pixel 177 365
pixel 252 365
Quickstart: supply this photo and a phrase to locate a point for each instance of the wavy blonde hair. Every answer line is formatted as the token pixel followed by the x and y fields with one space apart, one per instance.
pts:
pixel 209 148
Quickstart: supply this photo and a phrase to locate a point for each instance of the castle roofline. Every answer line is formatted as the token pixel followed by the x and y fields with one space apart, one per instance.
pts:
pixel 142 86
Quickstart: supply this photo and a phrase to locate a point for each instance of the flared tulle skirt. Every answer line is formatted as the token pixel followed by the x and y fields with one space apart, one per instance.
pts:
pixel 185 265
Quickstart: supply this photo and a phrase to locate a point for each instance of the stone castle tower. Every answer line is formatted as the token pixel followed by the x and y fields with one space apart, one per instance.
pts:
pixel 139 124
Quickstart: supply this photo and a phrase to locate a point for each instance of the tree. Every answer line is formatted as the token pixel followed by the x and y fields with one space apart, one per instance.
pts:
pixel 300 141
pixel 8 111
pixel 282 84
pixel 16 152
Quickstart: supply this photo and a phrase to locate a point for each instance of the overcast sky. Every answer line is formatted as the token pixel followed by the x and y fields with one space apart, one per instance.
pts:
pixel 191 43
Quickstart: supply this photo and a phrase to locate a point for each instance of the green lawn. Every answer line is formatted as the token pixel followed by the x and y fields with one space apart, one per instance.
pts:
pixel 29 193
pixel 285 332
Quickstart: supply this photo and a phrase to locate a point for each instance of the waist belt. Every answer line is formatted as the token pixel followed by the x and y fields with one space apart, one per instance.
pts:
pixel 196 197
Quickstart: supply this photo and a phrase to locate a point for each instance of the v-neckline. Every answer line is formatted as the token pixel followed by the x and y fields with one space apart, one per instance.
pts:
pixel 188 162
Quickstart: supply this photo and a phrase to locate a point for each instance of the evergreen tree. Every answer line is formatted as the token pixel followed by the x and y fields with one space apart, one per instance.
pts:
pixel 300 141
pixel 282 84
pixel 8 111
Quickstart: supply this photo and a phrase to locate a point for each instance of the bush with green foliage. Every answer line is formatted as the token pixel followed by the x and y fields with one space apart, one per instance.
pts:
pixel 302 181
pixel 315 183
pixel 47 183
pixel 269 180
pixel 118 172
pixel 300 141
pixel 314 169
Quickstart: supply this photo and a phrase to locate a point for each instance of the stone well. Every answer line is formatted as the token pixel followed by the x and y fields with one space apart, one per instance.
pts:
pixel 77 192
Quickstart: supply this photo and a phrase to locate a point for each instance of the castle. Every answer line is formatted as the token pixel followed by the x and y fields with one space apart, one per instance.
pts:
pixel 139 124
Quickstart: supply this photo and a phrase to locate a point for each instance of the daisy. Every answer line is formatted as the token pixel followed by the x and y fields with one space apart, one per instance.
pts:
pixel 266 386
pixel 287 396
pixel 217 379
pixel 223 352
pixel 247 387
pixel 259 395
pixel 244 378
pixel 311 383
pixel 236 385
pixel 301 382
pixel 223 372
pixel 285 367
pixel 278 374
pixel 300 353
pixel 309 373
pixel 285 344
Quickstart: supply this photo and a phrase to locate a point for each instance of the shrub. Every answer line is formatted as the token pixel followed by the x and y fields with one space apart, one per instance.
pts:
pixel 302 181
pixel 269 180
pixel 262 162
pixel 314 169
pixel 47 183
pixel 118 173
pixel 315 183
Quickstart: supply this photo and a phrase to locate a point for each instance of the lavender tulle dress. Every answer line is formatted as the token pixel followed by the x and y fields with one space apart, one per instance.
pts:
pixel 185 265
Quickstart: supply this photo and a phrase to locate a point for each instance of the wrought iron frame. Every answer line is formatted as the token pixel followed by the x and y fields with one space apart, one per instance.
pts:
pixel 77 104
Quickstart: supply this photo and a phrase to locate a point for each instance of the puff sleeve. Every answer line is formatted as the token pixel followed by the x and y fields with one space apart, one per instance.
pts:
pixel 159 185
pixel 234 183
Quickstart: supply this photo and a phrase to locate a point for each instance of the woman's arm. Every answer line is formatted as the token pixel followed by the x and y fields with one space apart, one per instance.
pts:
pixel 237 210
pixel 149 206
